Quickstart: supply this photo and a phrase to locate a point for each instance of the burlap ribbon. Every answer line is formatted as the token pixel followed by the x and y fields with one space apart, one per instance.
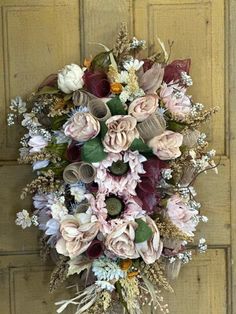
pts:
pixel 79 171
pixel 153 126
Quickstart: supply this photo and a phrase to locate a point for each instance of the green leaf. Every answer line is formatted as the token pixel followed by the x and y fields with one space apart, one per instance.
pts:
pixel 103 129
pixel 58 149
pixel 116 107
pixel 139 145
pixel 93 151
pixel 57 122
pixel 101 61
pixel 175 126
pixel 48 90
pixel 143 232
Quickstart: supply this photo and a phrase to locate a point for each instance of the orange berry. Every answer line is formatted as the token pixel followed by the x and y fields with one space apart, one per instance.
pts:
pixel 116 88
pixel 125 264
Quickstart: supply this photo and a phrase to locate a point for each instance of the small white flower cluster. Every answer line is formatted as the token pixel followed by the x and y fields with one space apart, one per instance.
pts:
pixel 196 108
pixel 135 43
pixel 194 205
pixel 24 220
pixel 202 246
pixel 105 285
pixel 166 174
pixel 105 269
pixel 186 79
pixel 58 208
pixel 18 107
pixel 185 257
pixel 202 139
pixel 78 191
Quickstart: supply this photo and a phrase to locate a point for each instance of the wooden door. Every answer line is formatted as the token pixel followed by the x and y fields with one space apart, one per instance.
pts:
pixel 40 36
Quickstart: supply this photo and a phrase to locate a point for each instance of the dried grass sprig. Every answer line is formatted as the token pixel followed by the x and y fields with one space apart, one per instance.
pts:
pixel 45 183
pixel 43 155
pixel 59 274
pixel 122 44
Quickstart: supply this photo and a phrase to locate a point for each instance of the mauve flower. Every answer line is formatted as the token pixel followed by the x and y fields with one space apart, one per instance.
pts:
pixel 166 146
pixel 173 70
pixel 70 78
pixel 151 249
pixel 181 215
pixel 77 234
pixel 82 127
pixel 151 79
pixel 121 240
pixel 141 108
pixel 97 83
pixel 121 133
pixel 73 152
pixel 37 142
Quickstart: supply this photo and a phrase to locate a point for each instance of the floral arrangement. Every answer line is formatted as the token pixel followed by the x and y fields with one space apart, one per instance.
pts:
pixel 115 146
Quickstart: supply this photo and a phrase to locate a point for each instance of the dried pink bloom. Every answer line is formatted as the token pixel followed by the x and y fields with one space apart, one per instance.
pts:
pixel 166 146
pixel 141 108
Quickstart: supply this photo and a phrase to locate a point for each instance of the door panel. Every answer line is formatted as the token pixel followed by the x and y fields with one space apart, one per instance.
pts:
pixel 38 38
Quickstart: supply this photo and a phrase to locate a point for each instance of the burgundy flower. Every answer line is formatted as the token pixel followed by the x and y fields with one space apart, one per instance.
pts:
pixel 95 249
pixel 174 69
pixel 73 152
pixel 146 189
pixel 147 64
pixel 97 83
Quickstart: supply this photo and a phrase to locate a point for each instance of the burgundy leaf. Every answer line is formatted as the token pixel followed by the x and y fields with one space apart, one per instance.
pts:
pixel 97 83
pixel 174 69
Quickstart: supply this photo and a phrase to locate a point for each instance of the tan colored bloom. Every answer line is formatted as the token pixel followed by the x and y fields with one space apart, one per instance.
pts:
pixel 151 249
pixel 121 133
pixel 77 234
pixel 121 240
pixel 82 127
pixel 141 108
pixel 166 146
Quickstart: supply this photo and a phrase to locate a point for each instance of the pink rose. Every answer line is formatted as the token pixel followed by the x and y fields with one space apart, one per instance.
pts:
pixel 121 133
pixel 121 240
pixel 77 234
pixel 151 249
pixel 37 143
pixel 166 146
pixel 181 215
pixel 82 127
pixel 141 108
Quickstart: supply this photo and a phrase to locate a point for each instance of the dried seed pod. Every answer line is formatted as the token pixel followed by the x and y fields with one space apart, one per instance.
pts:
pixel 153 126
pixel 99 110
pixel 71 173
pixel 82 98
pixel 87 172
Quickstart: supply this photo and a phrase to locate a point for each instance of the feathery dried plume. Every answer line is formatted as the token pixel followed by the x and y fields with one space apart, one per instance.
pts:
pixel 122 45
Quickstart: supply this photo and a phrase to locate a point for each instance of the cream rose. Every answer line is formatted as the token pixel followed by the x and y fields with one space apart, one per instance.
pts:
pixel 141 108
pixel 70 78
pixel 166 146
pixel 77 234
pixel 82 127
pixel 121 240
pixel 121 133
pixel 151 249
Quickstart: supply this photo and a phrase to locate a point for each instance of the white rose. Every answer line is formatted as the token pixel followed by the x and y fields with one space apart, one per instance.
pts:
pixel 70 78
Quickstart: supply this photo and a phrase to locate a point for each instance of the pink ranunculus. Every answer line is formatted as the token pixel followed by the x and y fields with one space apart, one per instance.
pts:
pixel 37 143
pixel 181 215
pixel 141 108
pixel 151 249
pixel 82 127
pixel 77 234
pixel 174 69
pixel 121 240
pixel 121 133
pixel 166 146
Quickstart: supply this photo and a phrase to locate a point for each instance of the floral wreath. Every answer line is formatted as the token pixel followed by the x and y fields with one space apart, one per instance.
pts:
pixel 116 147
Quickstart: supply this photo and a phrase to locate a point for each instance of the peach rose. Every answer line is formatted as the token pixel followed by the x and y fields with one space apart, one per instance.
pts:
pixel 166 146
pixel 141 108
pixel 151 249
pixel 121 240
pixel 121 133
pixel 82 127
pixel 77 234
pixel 181 215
